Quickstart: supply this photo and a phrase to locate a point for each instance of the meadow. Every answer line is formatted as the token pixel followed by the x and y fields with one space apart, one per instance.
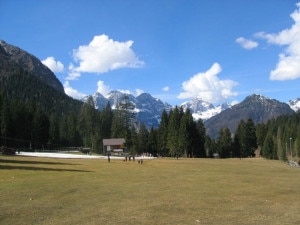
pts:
pixel 160 191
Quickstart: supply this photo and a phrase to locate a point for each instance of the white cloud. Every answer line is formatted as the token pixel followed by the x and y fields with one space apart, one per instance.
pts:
pixel 138 92
pixel 53 65
pixel 288 66
pixel 103 54
pixel 166 88
pixel 102 88
pixel 246 43
pixel 127 92
pixel 72 74
pixel 208 86
pixel 72 92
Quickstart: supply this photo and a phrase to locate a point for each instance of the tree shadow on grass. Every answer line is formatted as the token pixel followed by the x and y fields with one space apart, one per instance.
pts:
pixel 33 162
pixel 9 167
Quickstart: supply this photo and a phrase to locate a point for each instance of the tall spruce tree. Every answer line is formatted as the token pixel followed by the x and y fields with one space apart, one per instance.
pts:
pixel 224 143
pixel 245 141
pixel 163 135
pixel 185 136
pixel 269 147
pixel 200 139
pixel 173 132
pixel 152 142
pixel 143 136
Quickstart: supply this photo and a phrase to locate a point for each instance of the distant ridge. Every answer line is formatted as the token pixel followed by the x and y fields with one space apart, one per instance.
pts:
pixel 257 107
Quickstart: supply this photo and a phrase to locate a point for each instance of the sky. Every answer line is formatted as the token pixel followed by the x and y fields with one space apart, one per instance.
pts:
pixel 176 50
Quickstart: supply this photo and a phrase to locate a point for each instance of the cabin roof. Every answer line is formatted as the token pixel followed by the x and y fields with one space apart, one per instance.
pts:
pixel 113 141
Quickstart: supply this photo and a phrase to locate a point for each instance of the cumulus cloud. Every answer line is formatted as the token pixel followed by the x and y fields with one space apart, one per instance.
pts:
pixel 166 88
pixel 127 92
pixel 138 92
pixel 208 86
pixel 246 43
pixel 72 92
pixel 288 66
pixel 103 54
pixel 53 65
pixel 102 88
pixel 72 74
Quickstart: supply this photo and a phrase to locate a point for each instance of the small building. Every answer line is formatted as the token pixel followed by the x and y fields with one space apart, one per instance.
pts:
pixel 115 146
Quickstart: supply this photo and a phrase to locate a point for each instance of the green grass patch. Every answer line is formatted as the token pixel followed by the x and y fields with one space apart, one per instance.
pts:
pixel 160 191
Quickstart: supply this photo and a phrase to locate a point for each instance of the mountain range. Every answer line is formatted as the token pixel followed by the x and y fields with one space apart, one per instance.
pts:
pixel 148 109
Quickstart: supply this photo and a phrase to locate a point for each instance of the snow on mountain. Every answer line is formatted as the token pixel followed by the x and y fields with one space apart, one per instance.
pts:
pixel 116 97
pixel 294 104
pixel 202 109
pixel 148 109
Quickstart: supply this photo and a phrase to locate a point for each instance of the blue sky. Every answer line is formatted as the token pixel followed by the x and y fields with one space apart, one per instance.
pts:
pixel 220 51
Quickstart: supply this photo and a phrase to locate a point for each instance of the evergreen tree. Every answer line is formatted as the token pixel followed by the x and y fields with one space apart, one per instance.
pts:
pixel 173 133
pixel 86 123
pixel 6 122
pixel 133 142
pixel 281 151
pixel 152 142
pixel 53 130
pixel 200 139
pixel 239 140
pixel 225 143
pixel 268 150
pixel 40 129
pixel 245 141
pixel 210 146
pixel 143 135
pixel 185 140
pixel 163 134
pixel 123 119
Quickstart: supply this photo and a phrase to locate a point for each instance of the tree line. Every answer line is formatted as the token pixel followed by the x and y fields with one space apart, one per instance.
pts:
pixel 27 125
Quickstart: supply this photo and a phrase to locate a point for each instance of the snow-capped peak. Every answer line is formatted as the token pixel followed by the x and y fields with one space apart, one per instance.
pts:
pixel 204 110
pixel 294 104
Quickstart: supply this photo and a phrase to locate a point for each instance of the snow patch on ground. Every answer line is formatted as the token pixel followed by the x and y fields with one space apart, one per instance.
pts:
pixel 72 156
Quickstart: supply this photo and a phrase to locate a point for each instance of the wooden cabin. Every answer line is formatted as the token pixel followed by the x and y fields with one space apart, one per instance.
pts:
pixel 114 146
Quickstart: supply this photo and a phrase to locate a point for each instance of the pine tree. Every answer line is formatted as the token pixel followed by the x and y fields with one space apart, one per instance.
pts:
pixel 173 132
pixel 225 143
pixel 268 150
pixel 163 134
pixel 143 135
pixel 152 142
pixel 251 140
pixel 40 129
pixel 185 140
pixel 87 122
pixel 200 139
pixel 281 151
pixel 245 141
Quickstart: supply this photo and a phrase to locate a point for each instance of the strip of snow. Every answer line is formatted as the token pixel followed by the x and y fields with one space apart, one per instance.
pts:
pixel 73 156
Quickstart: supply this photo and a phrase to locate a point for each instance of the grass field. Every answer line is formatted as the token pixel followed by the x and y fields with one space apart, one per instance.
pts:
pixel 159 191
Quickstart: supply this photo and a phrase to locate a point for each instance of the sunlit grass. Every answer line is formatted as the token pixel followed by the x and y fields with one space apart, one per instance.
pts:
pixel 159 191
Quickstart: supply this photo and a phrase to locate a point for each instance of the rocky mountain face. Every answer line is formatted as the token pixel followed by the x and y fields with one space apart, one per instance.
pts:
pixel 259 108
pixel 148 110
pixel 14 55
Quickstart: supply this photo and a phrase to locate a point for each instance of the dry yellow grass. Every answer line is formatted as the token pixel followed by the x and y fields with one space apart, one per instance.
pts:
pixel 160 191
